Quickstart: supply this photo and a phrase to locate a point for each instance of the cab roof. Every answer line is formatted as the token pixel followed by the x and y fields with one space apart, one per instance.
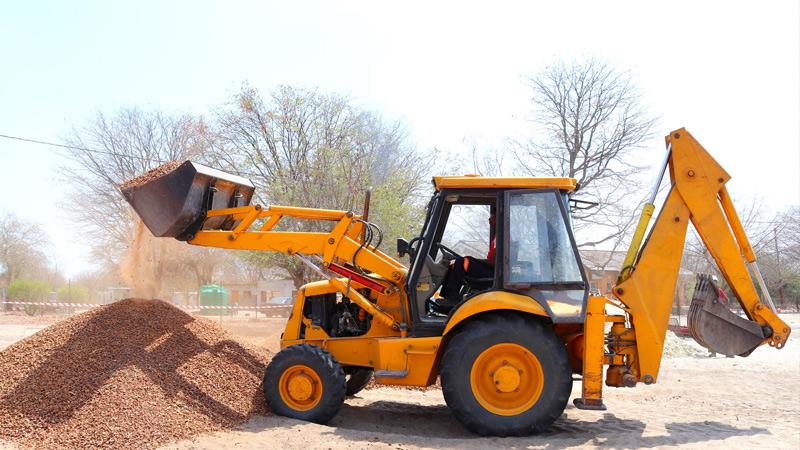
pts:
pixel 479 182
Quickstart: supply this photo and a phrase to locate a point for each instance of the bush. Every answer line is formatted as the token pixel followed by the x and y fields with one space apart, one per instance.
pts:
pixel 73 293
pixel 28 290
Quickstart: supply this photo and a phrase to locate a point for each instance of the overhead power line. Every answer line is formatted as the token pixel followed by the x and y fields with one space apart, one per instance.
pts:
pixel 53 144
pixel 105 152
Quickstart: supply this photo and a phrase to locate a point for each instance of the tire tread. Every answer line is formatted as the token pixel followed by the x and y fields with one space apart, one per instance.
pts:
pixel 483 422
pixel 333 380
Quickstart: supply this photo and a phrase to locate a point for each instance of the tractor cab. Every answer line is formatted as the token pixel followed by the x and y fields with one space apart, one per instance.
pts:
pixel 516 236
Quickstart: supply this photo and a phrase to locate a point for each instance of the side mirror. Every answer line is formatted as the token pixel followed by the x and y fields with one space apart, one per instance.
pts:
pixel 402 247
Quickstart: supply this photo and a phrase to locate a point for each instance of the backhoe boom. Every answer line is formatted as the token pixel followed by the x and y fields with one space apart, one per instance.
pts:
pixel 648 280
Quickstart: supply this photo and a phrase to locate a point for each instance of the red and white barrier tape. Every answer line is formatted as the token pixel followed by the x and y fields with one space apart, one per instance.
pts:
pixel 189 307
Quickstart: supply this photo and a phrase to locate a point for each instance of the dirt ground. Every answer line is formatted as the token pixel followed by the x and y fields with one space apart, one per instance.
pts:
pixel 697 403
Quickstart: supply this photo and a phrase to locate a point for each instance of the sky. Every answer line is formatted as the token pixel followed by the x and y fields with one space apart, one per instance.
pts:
pixel 453 72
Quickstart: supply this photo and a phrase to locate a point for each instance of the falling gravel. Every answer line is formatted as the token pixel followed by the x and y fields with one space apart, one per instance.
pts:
pixel 132 374
pixel 151 174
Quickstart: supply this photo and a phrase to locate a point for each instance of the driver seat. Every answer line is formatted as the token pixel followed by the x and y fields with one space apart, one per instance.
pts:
pixel 478 284
pixel 471 285
pixel 439 306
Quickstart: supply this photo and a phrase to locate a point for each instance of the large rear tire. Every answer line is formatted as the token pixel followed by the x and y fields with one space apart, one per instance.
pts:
pixel 506 375
pixel 304 382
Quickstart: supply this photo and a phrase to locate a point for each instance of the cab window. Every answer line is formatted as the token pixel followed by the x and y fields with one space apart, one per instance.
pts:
pixel 467 230
pixel 539 246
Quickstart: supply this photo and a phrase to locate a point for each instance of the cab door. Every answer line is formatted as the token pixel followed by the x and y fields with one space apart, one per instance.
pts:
pixel 458 219
pixel 541 259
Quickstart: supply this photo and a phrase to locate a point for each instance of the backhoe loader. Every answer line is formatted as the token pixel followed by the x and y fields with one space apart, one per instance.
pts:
pixel 507 350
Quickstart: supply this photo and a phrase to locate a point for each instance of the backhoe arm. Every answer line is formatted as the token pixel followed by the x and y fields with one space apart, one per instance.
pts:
pixel 698 194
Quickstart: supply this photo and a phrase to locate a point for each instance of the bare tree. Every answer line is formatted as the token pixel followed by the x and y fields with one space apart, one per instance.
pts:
pixel 791 219
pixel 306 148
pixel 775 239
pixel 697 259
pixel 588 122
pixel 779 252
pixel 486 162
pixel 111 149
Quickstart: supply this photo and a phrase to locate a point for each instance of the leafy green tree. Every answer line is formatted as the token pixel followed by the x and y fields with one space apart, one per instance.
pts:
pixel 72 292
pixel 28 290
pixel 793 290
pixel 22 248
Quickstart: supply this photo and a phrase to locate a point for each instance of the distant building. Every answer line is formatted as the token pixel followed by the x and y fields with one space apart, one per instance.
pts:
pixel 189 298
pixel 260 293
pixel 113 294
pixel 602 268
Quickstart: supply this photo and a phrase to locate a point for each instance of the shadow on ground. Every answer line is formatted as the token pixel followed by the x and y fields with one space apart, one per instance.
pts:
pixel 405 423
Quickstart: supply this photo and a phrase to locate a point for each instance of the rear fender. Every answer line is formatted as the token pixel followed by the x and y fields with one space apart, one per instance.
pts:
pixel 494 301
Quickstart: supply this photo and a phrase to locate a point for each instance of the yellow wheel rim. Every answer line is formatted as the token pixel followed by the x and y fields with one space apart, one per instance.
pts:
pixel 300 387
pixel 506 379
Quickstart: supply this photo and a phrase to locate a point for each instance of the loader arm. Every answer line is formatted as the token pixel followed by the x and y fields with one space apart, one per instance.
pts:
pixel 698 194
pixel 342 250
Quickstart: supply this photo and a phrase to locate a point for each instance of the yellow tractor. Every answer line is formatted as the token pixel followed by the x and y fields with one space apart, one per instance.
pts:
pixel 504 332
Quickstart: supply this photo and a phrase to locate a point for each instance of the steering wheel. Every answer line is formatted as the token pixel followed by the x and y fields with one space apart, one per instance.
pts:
pixel 446 250
pixel 412 251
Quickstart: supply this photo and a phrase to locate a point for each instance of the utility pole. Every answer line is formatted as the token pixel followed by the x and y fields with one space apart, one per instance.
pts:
pixel 778 261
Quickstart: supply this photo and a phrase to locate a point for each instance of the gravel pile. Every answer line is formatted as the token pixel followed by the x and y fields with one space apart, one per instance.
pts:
pixel 133 374
pixel 163 169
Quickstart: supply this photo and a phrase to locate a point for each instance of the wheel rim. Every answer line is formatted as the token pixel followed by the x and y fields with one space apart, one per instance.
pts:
pixel 300 387
pixel 506 379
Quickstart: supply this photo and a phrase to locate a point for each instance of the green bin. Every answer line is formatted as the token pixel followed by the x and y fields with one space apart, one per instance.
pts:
pixel 214 295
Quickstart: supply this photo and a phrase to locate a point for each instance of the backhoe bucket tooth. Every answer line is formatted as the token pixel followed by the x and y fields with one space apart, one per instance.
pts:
pixel 716 327
pixel 173 202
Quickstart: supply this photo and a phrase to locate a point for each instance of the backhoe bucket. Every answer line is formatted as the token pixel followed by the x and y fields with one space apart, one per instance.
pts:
pixel 714 326
pixel 173 199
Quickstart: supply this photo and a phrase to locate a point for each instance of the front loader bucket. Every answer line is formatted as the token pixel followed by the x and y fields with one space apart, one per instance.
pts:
pixel 173 199
pixel 716 327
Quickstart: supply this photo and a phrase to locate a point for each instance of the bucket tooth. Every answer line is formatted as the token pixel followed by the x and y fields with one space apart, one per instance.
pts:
pixel 714 326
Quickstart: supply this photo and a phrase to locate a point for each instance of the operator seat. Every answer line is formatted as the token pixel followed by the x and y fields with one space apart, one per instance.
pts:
pixel 475 284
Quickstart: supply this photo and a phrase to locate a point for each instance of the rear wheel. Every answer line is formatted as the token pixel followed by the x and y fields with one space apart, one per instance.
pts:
pixel 504 374
pixel 304 382
pixel 357 379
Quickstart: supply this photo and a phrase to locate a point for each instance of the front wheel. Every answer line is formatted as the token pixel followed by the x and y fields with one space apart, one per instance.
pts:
pixel 304 382
pixel 506 375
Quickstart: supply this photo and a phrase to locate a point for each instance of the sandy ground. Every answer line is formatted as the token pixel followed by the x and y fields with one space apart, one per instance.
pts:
pixel 697 403
pixel 263 332
pixel 16 326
